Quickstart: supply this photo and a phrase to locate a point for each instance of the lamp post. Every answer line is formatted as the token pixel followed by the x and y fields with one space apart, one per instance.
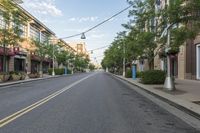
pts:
pixel 124 60
pixel 53 71
pixel 169 82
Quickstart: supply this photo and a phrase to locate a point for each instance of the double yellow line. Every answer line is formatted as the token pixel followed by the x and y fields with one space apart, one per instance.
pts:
pixel 23 111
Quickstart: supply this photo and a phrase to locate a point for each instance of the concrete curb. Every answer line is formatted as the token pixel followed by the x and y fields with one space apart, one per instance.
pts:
pixel 27 81
pixel 187 109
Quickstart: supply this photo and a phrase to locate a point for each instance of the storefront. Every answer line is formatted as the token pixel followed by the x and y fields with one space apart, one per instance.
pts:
pixel 198 61
pixel 46 65
pixel 19 65
pixel 35 66
pixel 8 54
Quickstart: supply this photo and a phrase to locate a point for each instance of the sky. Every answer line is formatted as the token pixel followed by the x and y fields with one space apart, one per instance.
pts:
pixel 69 17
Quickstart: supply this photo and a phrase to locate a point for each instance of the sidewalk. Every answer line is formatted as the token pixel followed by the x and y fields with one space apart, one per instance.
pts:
pixel 27 80
pixel 186 97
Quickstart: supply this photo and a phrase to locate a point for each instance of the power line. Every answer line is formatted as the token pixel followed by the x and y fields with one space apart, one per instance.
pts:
pixel 98 48
pixel 98 24
pixel 95 57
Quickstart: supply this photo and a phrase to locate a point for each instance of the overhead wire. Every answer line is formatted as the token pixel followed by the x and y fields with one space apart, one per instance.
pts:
pixel 101 23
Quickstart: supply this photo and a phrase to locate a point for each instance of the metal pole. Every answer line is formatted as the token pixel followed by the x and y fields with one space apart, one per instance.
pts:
pixel 169 82
pixel 124 60
pixel 53 72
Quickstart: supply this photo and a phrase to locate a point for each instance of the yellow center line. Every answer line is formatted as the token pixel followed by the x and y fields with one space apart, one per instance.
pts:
pixel 23 111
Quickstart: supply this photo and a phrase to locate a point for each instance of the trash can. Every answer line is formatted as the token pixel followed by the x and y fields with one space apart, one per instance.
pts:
pixel 134 72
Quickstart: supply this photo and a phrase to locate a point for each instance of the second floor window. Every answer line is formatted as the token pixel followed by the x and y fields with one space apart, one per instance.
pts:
pixel 43 37
pixel 34 33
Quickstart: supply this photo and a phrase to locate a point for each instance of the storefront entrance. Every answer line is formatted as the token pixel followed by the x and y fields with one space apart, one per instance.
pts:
pixel 19 65
pixel 198 61
pixel 35 66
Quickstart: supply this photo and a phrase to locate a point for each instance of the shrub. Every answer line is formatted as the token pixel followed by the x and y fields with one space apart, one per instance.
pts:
pixel 153 77
pixel 139 74
pixel 4 76
pixel 58 71
pixel 69 71
pixel 23 75
pixel 34 75
pixel 128 73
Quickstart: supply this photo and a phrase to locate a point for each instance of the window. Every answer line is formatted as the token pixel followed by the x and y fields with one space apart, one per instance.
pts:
pixel 43 37
pixel 2 22
pixel 34 33
pixel 23 28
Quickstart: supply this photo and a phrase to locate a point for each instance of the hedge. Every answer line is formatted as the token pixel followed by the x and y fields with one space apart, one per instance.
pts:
pixel 153 77
pixel 129 73
pixel 138 74
pixel 58 71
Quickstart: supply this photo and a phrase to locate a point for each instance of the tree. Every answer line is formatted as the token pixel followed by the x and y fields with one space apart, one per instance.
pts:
pixel 62 57
pixel 81 62
pixel 42 51
pixel 91 67
pixel 11 32
pixel 185 17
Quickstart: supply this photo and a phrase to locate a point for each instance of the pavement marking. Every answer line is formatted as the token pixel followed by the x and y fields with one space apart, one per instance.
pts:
pixel 25 110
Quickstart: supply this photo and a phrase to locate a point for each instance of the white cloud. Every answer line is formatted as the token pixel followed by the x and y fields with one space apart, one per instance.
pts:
pixel 45 7
pixel 84 19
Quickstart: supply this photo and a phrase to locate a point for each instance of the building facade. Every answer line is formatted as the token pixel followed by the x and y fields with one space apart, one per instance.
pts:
pixel 185 64
pixel 80 48
pixel 22 57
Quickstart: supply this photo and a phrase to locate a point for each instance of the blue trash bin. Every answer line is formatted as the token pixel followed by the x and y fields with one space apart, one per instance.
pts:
pixel 134 72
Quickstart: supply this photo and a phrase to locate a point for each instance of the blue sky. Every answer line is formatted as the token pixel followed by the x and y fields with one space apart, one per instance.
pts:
pixel 68 17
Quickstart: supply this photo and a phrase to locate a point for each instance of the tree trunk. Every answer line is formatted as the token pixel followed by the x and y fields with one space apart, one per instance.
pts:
pixel 151 65
pixel 41 69
pixel 4 58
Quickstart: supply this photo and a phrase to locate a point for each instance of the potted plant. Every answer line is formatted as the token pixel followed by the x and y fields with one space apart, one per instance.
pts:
pixel 34 75
pixel 173 51
pixel 4 77
pixel 23 75
pixel 15 76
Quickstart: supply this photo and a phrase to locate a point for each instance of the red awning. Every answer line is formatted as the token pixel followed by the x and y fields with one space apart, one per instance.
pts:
pixel 8 52
pixel 37 58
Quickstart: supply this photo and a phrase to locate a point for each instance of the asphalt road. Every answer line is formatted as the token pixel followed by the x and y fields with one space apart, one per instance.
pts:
pixel 85 103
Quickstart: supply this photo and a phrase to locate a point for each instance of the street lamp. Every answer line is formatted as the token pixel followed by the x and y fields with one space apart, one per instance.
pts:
pixel 53 71
pixel 83 36
pixel 124 60
pixel 169 82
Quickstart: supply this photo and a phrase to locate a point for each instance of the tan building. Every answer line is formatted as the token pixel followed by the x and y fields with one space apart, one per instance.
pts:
pixel 22 57
pixel 185 64
pixel 80 48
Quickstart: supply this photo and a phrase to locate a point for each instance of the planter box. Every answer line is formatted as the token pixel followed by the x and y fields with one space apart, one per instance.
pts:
pixel 23 76
pixel 15 77
pixel 33 75
pixel 4 77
